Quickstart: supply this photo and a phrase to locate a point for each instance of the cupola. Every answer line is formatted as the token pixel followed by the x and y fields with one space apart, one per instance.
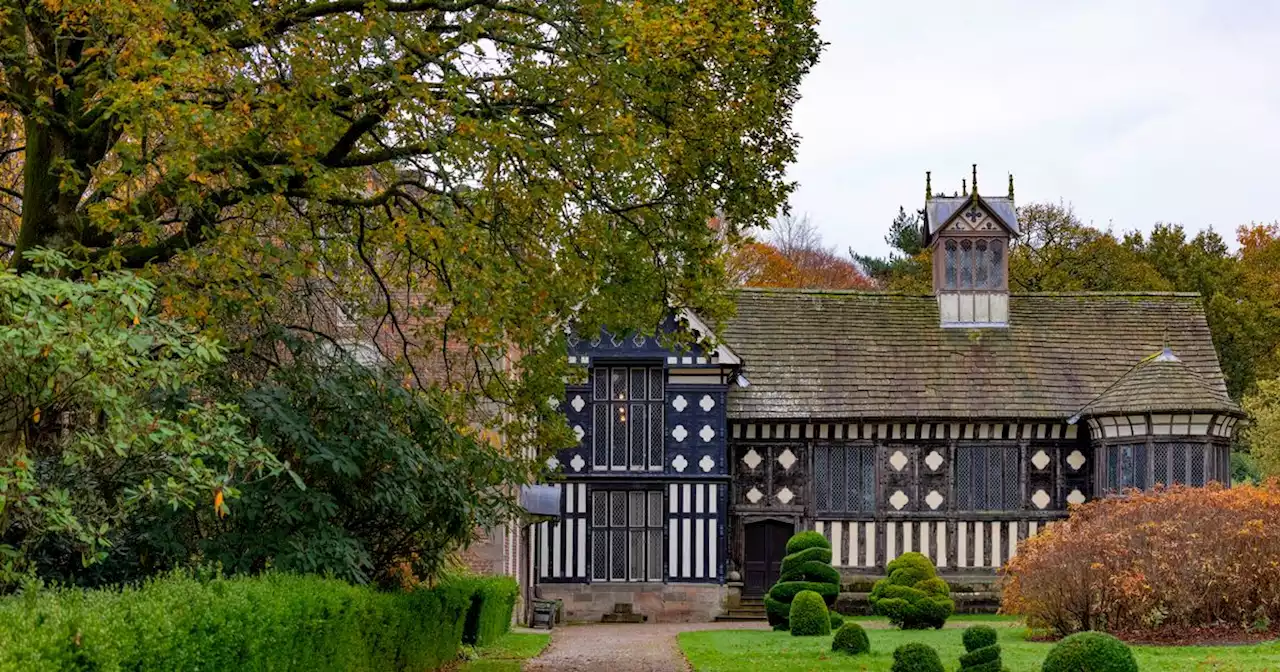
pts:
pixel 970 235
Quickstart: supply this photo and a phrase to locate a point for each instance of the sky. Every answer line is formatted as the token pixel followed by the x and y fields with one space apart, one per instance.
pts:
pixel 1132 112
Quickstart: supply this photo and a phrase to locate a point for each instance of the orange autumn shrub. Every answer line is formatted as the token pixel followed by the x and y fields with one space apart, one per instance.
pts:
pixel 1154 564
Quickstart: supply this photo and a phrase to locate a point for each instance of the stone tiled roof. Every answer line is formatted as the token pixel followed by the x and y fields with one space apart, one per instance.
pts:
pixel 1161 383
pixel 835 355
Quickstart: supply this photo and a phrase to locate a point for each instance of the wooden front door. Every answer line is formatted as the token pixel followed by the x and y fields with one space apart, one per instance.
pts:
pixel 766 544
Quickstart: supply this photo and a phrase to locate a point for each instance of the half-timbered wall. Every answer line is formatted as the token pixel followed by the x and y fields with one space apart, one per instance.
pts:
pixel 965 494
pixel 645 489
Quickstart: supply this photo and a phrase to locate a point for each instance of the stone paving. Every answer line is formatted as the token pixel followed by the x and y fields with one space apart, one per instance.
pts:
pixel 639 647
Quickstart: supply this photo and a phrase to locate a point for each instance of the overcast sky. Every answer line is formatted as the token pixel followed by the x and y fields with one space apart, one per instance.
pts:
pixel 1133 112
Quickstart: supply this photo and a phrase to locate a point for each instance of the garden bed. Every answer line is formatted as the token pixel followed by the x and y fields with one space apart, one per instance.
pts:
pixel 762 651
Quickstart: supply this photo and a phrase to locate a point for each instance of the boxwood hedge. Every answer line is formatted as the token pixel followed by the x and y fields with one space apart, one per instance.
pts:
pixel 271 622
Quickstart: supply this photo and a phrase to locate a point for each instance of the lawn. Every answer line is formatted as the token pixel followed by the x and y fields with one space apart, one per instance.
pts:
pixel 763 651
pixel 507 654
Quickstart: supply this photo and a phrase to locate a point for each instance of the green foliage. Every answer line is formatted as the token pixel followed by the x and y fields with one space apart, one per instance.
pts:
pixel 912 596
pixel 851 639
pixel 982 652
pixel 916 657
pixel 90 356
pixel 807 539
pixel 837 620
pixel 249 157
pixel 273 622
pixel 493 599
pixel 978 636
pixel 1090 652
pixel 809 615
pixel 805 568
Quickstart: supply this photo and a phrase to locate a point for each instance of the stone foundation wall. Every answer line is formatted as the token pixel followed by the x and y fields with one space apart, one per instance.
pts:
pixel 660 602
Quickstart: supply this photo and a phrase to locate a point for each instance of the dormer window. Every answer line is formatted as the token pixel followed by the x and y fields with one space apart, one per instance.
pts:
pixel 973 263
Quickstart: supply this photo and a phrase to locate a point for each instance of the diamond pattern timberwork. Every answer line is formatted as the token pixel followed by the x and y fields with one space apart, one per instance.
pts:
pixel 787 459
pixel 898 500
pixel 1040 460
pixel 752 459
pixel 898 460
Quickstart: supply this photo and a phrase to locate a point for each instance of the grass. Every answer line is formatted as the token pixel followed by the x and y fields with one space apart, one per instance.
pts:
pixel 507 654
pixel 763 651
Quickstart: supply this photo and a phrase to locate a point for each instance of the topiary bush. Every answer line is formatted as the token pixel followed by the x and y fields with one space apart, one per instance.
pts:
pixel 851 639
pixel 1090 652
pixel 912 596
pixel 916 657
pixel 983 652
pixel 809 615
pixel 837 620
pixel 807 566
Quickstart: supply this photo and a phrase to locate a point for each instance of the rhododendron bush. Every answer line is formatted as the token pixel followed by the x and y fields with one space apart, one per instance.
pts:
pixel 1159 563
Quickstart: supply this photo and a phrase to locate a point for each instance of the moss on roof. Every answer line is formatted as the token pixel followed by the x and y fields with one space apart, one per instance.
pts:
pixel 837 354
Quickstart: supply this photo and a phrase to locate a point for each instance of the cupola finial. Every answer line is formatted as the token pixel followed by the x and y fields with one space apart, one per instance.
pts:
pixel 964 190
pixel 1011 186
pixel 975 181
pixel 928 185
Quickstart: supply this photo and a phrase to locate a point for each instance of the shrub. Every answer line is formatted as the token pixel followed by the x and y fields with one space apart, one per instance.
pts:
pixel 1120 563
pixel 1090 652
pixel 983 652
pixel 978 636
pixel 851 639
pixel 836 620
pixel 272 622
pixel 809 615
pixel 916 657
pixel 912 596
pixel 493 599
pixel 807 567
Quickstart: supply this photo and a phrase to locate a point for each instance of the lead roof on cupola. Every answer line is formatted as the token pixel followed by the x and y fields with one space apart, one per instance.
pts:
pixel 941 209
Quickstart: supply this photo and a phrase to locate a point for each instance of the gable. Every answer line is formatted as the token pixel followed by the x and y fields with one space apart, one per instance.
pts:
pixel 970 215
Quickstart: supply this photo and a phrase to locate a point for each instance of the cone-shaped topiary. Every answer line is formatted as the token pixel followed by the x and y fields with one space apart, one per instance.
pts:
pixel 851 639
pixel 1090 652
pixel 809 615
pixel 983 652
pixel 916 657
pixel 912 596
pixel 806 567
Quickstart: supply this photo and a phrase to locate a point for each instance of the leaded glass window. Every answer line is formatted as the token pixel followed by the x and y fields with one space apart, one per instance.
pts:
pixel 973 263
pixel 626 535
pixel 986 478
pixel 627 418
pixel 1137 465
pixel 844 478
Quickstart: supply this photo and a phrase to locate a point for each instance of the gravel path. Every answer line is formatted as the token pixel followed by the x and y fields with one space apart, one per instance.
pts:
pixel 640 647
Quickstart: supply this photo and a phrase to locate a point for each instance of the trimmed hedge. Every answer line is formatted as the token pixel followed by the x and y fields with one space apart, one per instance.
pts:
pixel 807 567
pixel 1090 652
pixel 837 620
pixel 271 622
pixel 916 657
pixel 851 639
pixel 493 599
pixel 983 652
pixel 912 596
pixel 809 615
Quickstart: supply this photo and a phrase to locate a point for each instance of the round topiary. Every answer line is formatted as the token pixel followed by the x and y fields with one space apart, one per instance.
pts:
pixel 1090 652
pixel 851 639
pixel 807 566
pixel 837 620
pixel 983 652
pixel 912 596
pixel 809 615
pixel 978 636
pixel 916 657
